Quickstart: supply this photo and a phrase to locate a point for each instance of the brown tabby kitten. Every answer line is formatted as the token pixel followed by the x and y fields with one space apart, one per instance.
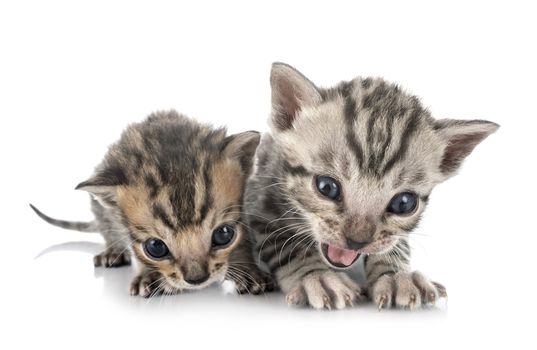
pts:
pixel 347 172
pixel 169 193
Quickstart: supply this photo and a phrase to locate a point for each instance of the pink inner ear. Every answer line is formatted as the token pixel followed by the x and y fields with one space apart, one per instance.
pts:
pixel 459 147
pixel 288 107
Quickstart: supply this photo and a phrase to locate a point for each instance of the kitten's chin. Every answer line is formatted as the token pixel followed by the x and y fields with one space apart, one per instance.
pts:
pixel 338 257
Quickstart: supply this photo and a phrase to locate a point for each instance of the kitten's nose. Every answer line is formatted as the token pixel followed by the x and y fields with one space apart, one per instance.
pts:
pixel 195 272
pixel 196 280
pixel 355 245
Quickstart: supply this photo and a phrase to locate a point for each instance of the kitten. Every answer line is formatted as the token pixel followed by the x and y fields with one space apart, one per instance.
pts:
pixel 346 172
pixel 168 193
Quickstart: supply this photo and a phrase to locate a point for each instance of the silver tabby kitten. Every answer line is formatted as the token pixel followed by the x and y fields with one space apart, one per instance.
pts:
pixel 347 172
pixel 168 194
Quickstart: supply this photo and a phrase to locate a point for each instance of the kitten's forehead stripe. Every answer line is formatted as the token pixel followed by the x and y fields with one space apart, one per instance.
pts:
pixel 296 170
pixel 160 214
pixel 383 117
pixel 350 117
pixel 152 184
pixel 172 158
pixel 389 122
pixel 207 202
pixel 410 128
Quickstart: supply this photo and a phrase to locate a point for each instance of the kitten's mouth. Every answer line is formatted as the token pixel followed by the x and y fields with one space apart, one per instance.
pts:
pixel 339 257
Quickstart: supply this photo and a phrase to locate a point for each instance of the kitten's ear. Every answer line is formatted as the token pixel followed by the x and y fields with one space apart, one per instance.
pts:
pixel 291 91
pixel 101 187
pixel 461 137
pixel 242 147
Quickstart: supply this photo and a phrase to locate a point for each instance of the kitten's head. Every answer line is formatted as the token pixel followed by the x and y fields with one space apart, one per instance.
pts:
pixel 361 159
pixel 178 186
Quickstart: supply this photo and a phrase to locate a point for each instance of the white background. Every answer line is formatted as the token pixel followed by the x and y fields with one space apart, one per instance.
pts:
pixel 72 76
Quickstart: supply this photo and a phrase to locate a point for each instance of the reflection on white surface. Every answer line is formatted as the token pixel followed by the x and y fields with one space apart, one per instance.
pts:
pixel 74 74
pixel 114 283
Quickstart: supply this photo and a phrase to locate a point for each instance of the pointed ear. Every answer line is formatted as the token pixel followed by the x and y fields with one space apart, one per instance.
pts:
pixel 461 137
pixel 291 91
pixel 242 147
pixel 94 186
pixel 103 185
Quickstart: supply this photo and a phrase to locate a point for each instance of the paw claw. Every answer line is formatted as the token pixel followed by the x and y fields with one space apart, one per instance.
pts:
pixel 326 302
pixel 348 300
pixel 325 290
pixel 410 290
pixel 431 298
pixel 382 301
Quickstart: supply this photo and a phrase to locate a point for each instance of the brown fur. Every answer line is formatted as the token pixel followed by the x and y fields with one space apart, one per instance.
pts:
pixel 172 179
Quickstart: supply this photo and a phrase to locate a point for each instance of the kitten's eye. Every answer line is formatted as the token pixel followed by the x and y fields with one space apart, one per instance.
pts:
pixel 403 203
pixel 156 248
pixel 328 187
pixel 223 235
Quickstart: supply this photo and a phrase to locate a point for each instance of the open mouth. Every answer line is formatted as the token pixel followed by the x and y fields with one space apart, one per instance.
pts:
pixel 339 257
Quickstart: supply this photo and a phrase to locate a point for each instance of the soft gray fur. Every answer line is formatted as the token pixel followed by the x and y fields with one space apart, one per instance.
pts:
pixel 377 141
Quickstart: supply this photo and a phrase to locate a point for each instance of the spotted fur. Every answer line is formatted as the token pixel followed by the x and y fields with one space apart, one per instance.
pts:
pixel 376 140
pixel 176 180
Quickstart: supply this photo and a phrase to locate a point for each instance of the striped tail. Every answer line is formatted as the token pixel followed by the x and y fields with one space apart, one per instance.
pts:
pixel 69 225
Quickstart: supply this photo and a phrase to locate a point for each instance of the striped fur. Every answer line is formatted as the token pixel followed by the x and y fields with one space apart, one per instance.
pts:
pixel 377 141
pixel 173 179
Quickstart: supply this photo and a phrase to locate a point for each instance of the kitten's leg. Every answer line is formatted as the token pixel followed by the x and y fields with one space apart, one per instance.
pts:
pixel 114 255
pixel 310 282
pixel 117 242
pixel 149 283
pixel 391 283
pixel 244 272
pixel 302 274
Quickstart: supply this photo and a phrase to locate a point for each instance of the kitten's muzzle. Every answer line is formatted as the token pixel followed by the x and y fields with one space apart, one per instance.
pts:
pixel 356 245
pixel 195 272
pixel 196 280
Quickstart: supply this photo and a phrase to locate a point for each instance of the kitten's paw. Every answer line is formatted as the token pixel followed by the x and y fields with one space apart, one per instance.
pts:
pixel 149 284
pixel 112 258
pixel 406 290
pixel 253 282
pixel 325 289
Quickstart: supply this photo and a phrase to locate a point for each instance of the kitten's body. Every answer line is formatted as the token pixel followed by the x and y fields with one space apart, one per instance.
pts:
pixel 173 180
pixel 375 143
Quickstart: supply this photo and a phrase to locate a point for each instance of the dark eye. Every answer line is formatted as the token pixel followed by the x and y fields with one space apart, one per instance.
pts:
pixel 156 248
pixel 328 187
pixel 223 235
pixel 403 203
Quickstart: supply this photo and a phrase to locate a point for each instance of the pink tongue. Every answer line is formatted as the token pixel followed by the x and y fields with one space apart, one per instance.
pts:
pixel 342 256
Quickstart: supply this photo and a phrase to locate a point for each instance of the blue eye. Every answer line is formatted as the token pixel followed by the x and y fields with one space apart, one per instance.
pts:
pixel 156 248
pixel 223 235
pixel 403 203
pixel 328 187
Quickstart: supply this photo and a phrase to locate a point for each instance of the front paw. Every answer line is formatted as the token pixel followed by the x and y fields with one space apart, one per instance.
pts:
pixel 251 281
pixel 112 258
pixel 325 289
pixel 148 284
pixel 406 290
